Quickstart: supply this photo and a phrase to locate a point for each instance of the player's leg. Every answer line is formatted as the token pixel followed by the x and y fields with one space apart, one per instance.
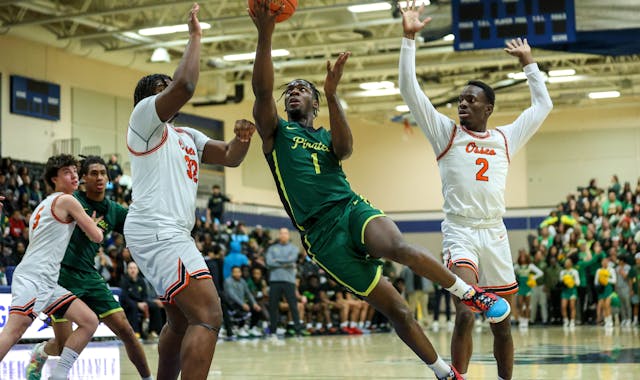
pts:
pixel 200 304
pixel 462 337
pixel 118 323
pixel 383 239
pixel 87 321
pixel 389 302
pixel 170 343
pixel 16 325
pixel 503 348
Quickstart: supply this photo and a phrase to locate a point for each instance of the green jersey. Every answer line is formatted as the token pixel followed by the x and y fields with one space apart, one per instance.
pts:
pixel 307 172
pixel 81 251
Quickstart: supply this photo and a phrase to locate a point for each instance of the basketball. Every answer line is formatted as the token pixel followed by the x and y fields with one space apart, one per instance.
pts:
pixel 289 7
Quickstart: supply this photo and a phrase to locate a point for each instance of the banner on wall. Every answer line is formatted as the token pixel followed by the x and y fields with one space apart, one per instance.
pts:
pixel 39 330
pixel 98 361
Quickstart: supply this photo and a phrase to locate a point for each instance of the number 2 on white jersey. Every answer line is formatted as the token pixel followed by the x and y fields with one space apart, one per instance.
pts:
pixel 484 167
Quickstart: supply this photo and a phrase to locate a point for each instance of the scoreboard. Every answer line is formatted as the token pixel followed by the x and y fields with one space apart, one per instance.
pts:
pixel 485 24
pixel 35 98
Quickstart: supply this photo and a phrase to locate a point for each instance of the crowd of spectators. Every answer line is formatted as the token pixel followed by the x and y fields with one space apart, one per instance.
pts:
pixel 594 228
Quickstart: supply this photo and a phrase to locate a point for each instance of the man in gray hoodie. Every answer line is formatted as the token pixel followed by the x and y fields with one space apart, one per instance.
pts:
pixel 281 260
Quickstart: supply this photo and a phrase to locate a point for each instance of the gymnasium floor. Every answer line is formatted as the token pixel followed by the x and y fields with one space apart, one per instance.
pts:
pixel 541 353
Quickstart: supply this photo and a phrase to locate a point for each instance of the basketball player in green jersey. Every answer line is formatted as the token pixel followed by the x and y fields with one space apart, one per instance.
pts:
pixel 79 275
pixel 340 230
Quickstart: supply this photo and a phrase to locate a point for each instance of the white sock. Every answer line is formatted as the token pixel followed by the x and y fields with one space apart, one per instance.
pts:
pixel 440 367
pixel 150 377
pixel 318 325
pixel 367 324
pixel 459 288
pixel 464 376
pixel 499 378
pixel 344 324
pixel 352 324
pixel 68 357
pixel 40 350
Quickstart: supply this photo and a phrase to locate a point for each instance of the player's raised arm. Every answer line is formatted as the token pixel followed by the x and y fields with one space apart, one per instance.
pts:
pixel 264 108
pixel 86 223
pixel 436 126
pixel 341 137
pixel 521 130
pixel 232 153
pixel 185 78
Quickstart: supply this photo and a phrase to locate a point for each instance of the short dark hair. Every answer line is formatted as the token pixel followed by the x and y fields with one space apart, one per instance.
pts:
pixel 55 163
pixel 316 93
pixel 488 91
pixel 147 85
pixel 88 161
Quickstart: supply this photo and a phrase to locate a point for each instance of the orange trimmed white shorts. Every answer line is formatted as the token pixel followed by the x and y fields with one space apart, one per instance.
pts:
pixel 486 251
pixel 31 297
pixel 169 263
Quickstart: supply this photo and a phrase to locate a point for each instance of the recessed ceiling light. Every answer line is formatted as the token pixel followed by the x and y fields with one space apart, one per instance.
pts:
pixel 169 29
pixel 252 55
pixel 604 94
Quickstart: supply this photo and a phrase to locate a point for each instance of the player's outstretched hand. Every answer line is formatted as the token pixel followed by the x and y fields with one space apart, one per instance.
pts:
pixel 244 129
pixel 520 48
pixel 335 73
pixel 262 15
pixel 194 24
pixel 411 19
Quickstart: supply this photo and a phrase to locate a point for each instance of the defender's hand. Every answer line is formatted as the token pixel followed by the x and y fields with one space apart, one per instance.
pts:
pixel 243 130
pixel 411 19
pixel 520 48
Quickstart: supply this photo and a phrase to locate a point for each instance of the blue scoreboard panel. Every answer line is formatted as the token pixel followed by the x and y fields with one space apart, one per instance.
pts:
pixel 35 98
pixel 485 24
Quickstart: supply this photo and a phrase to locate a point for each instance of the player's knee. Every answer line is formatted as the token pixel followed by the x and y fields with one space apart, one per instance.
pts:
pixel 465 318
pixel 401 314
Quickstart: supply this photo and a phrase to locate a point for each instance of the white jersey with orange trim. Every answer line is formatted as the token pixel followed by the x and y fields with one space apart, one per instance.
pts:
pixel 473 166
pixel 48 240
pixel 165 163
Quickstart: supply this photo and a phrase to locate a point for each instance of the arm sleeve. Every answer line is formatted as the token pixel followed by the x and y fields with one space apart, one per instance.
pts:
pixel 199 138
pixel 613 278
pixel 437 127
pixel 231 293
pixel 576 277
pixel 270 259
pixel 521 130
pixel 537 273
pixel 145 131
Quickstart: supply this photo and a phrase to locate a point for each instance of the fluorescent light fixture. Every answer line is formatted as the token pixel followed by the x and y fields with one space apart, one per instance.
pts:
pixel 449 37
pixel 380 92
pixel 376 85
pixel 369 7
pixel 160 55
pixel 518 75
pixel 564 79
pixel 252 55
pixel 604 94
pixel 402 108
pixel 562 73
pixel 169 29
